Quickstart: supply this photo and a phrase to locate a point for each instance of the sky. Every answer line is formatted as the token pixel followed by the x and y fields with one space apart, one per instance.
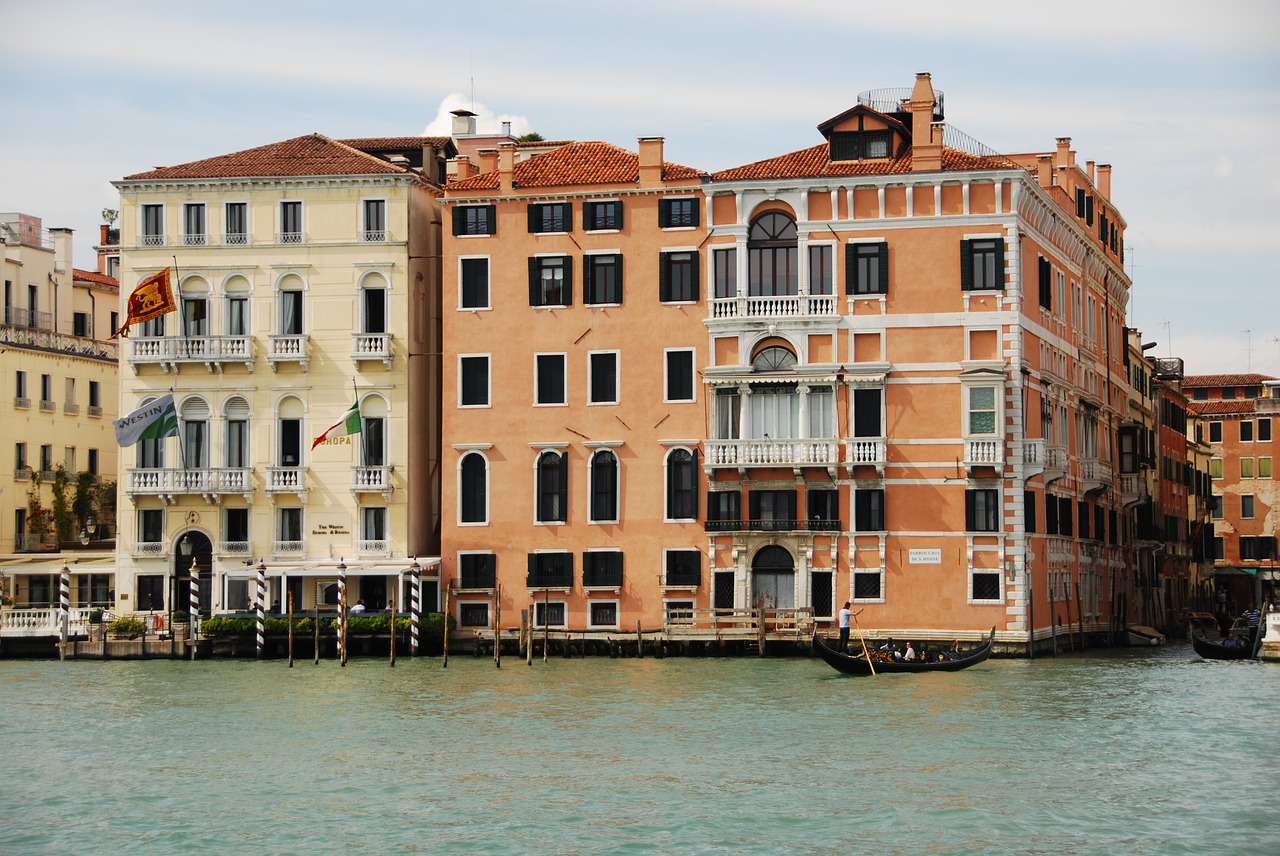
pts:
pixel 1181 98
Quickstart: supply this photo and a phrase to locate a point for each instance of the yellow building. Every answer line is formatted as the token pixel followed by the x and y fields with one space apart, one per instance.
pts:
pixel 305 274
pixel 59 369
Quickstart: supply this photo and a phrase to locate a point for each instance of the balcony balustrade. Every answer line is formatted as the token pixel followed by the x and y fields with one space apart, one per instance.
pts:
pixel 145 549
pixel 287 480
pixel 797 453
pixel 45 339
pixel 1096 475
pixel 774 306
pixel 210 482
pixel 865 452
pixel 987 452
pixel 235 548
pixel 816 524
pixel 1133 488
pixel 287 547
pixel 171 351
pixel 288 348
pixel 371 346
pixel 235 238
pixel 371 479
pixel 373 546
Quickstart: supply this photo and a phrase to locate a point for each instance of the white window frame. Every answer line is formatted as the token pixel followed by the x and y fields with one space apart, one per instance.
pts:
pixel 488 392
pixel 369 234
pixel 564 376
pixel 488 288
pixel 617 377
pixel 693 375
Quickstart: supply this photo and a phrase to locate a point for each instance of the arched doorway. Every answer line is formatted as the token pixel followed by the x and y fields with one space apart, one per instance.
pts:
pixel 199 548
pixel 773 578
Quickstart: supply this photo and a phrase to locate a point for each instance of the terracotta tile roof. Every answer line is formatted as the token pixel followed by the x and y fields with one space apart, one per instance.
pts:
pixel 1221 408
pixel 576 164
pixel 314 154
pixel 1226 380
pixel 94 276
pixel 366 143
pixel 813 162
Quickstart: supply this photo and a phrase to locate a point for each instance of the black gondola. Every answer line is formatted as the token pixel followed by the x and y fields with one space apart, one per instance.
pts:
pixel 1215 651
pixel 858 665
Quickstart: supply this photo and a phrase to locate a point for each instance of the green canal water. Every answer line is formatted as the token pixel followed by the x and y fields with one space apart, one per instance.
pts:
pixel 1114 752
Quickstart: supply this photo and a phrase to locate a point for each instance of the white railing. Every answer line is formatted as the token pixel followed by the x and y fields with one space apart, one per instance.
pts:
pixel 1095 471
pixel 286 479
pixel 371 346
pixel 370 479
pixel 47 406
pixel 379 546
pixel 63 343
pixel 774 306
pixel 373 235
pixel 766 453
pixel 283 348
pixel 290 237
pixel 278 547
pixel 195 240
pixel 865 452
pixel 153 240
pixel 1133 487
pixel 235 238
pixel 191 349
pixel 148 548
pixel 21 403
pixel 235 548
pixel 70 408
pixel 167 481
pixel 44 621
pixel 984 452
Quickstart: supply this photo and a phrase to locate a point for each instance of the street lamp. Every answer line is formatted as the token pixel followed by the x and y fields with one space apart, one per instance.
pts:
pixel 86 531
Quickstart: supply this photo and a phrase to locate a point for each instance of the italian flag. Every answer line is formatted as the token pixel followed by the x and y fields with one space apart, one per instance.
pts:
pixel 348 424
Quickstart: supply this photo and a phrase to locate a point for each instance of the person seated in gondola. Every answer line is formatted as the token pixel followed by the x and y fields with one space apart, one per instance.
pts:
pixel 911 653
pixel 889 648
pixel 1232 641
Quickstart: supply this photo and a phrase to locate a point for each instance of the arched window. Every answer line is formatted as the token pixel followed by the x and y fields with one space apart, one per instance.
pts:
pixel 237 320
pixel 236 452
pixel 373 432
pixel 195 307
pixel 553 487
pixel 195 433
pixel 289 433
pixel 373 304
pixel 604 486
pixel 289 320
pixel 771 256
pixel 682 485
pixel 473 489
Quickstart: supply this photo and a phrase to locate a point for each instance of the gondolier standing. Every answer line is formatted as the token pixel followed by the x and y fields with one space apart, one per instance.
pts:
pixel 845 616
pixel 1253 616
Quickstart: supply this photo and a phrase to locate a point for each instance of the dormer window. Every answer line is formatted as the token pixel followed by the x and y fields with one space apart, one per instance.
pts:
pixel 860 145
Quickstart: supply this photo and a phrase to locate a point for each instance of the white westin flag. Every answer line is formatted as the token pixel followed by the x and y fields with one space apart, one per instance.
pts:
pixel 151 421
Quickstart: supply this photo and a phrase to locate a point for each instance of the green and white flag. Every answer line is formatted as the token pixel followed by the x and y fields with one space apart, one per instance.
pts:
pixel 151 421
pixel 348 424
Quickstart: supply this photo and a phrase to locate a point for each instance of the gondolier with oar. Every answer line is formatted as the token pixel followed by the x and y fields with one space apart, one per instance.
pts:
pixel 845 616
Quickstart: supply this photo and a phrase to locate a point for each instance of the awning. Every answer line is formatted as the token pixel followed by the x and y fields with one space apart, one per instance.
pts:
pixel 329 568
pixel 52 563
pixel 1234 572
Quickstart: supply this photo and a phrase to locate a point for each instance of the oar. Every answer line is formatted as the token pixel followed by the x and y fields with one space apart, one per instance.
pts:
pixel 865 652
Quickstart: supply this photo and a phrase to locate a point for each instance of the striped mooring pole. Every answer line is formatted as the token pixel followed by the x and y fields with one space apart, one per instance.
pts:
pixel 342 613
pixel 194 618
pixel 64 604
pixel 415 604
pixel 258 606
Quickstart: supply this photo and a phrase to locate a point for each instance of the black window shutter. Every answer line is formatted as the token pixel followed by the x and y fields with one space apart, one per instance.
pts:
pixel 459 222
pixel 535 218
pixel 568 280
pixel 1029 510
pixel 618 206
pixel 1000 263
pixel 567 208
pixel 1079 201
pixel 534 271
pixel 1088 210
pixel 588 218
pixel 696 273
pixel 664 278
pixel 966 265
pixel 970 512
pixel 695 212
pixel 617 275
pixel 850 267
pixel 883 253
pixel 664 213
pixel 588 278
pixel 564 491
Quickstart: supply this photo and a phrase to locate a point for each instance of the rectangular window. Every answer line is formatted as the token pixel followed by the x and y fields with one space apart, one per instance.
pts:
pixel 473 381
pixel 772 510
pixel 1215 468
pixel 982 510
pixel 478 570
pixel 726 273
pixel 290 223
pixel 602 381
pixel 602 279
pixel 602 216
pixel 866 412
pixel 550 570
pixel 984 586
pixel 236 227
pixel 550 281
pixel 80 324
pixel 603 613
pixel 678 277
pixel 1246 506
pixel 1029 511
pixel 679 381
pixel 1264 468
pixel 868 509
pixel 475 220
pixel 602 569
pixel 151 525
pixel 551 217
pixel 683 568
pixel 20 384
pixel 375 220
pixel 475 283
pixel 1264 430
pixel 982 264
pixel 193 229
pixel 866 585
pixel 823 506
pixel 46 389
pixel 95 395
pixel 289 529
pixel 473 614
pixel 152 225
pixel 867 268
pixel 677 213
pixel 93 462
pixel 724 510
pixel 20 456
pixel 1246 468
pixel 235 529
pixel 859 145
pixel 549 372
pixel 821 277
pixel 1246 431
pixel 1219 547
pixel 549 613
pixel 982 411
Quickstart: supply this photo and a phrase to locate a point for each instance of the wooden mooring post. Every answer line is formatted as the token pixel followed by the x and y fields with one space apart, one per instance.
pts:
pixel 497 626
pixel 444 663
pixel 289 601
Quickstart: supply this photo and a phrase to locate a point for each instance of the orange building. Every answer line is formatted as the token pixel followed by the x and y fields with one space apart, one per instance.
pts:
pixel 887 368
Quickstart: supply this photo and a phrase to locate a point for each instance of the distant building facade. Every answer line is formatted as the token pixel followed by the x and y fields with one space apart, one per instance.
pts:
pixel 888 368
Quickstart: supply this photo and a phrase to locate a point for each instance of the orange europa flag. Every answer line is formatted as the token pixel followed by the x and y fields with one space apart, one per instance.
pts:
pixel 152 298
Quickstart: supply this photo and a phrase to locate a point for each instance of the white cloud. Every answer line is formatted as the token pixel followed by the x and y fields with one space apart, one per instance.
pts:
pixel 487 122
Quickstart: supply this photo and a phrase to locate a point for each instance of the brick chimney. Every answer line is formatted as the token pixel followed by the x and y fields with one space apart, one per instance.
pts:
pixel 651 161
pixel 1104 180
pixel 506 165
pixel 486 160
pixel 926 135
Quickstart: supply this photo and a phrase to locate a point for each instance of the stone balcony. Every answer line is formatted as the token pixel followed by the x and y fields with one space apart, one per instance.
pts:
pixel 1133 488
pixel 170 352
pixel 209 482
pixel 288 349
pixel 372 479
pixel 775 306
pixel 371 346
pixel 287 480
pixel 865 452
pixel 1096 475
pixel 984 453
pixel 798 454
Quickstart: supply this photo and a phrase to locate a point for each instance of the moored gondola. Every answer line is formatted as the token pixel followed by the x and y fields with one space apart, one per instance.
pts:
pixel 1217 651
pixel 851 665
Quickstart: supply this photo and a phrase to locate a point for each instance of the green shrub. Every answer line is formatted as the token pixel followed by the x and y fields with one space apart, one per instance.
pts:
pixel 127 626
